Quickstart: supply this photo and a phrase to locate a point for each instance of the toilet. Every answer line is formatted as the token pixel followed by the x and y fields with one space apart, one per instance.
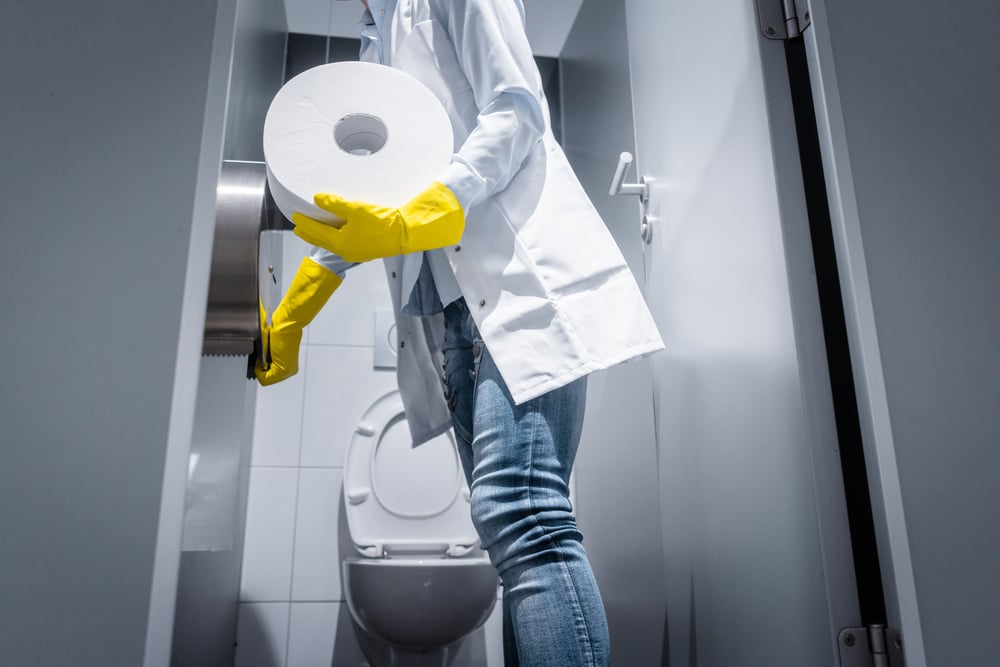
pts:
pixel 418 584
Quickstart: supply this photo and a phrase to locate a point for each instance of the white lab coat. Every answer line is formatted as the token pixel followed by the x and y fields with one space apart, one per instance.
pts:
pixel 544 280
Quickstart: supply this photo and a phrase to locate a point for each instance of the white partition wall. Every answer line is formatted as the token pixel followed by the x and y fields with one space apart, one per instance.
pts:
pixel 112 126
pixel 219 465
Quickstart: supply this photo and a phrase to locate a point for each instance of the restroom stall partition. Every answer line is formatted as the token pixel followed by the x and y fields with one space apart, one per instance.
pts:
pixel 905 98
pixel 218 471
pixel 113 119
pixel 823 266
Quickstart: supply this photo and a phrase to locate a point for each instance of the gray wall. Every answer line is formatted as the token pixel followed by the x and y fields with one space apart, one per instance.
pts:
pixel 912 146
pixel 111 126
pixel 258 72
pixel 209 576
pixel 616 471
pixel 208 583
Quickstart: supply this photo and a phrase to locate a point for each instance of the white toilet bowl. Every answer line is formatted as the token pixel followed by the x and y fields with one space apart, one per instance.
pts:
pixel 419 584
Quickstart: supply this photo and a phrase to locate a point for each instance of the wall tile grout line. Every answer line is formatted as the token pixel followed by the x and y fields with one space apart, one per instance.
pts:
pixel 350 345
pixel 298 483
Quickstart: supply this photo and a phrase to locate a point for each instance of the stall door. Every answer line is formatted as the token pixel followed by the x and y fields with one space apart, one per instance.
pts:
pixel 757 551
pixel 907 97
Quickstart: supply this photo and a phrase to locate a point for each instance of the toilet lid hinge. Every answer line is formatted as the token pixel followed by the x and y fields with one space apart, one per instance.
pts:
pixel 459 550
pixel 372 551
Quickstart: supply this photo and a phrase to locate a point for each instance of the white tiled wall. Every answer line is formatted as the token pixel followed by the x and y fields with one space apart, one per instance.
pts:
pixel 262 634
pixel 340 385
pixel 292 611
pixel 311 633
pixel 316 572
pixel 270 534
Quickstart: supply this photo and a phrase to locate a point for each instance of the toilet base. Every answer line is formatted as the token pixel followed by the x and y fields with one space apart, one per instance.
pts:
pixel 380 654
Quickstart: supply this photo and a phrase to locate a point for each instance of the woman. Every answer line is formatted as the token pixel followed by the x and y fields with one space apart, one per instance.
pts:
pixel 502 270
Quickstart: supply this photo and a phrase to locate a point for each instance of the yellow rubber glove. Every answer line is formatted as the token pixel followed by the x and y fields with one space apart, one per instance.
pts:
pixel 310 289
pixel 265 340
pixel 432 219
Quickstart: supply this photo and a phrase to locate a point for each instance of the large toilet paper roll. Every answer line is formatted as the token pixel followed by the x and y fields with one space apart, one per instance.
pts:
pixel 363 131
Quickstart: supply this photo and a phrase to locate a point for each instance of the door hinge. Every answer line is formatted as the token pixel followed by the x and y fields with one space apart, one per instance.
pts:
pixel 871 646
pixel 783 19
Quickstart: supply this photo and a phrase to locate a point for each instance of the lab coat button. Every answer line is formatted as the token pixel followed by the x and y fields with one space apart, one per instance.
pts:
pixel 458 248
pixel 402 344
pixel 482 303
pixel 393 274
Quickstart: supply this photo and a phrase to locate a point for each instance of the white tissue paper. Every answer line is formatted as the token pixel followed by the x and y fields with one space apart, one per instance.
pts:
pixel 360 130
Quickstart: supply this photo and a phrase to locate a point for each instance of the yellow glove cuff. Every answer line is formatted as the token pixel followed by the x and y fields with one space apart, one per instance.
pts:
pixel 434 219
pixel 310 290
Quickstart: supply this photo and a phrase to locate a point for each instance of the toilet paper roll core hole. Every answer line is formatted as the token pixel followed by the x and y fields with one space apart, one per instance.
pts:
pixel 360 134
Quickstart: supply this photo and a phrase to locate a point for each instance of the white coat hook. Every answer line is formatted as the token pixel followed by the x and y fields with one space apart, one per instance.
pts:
pixel 620 187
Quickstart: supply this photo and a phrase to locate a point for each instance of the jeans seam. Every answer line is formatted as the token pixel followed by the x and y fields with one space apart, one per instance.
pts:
pixel 477 363
pixel 578 616
pixel 577 610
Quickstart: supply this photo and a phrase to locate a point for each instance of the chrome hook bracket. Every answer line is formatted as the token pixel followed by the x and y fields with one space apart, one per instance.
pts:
pixel 620 187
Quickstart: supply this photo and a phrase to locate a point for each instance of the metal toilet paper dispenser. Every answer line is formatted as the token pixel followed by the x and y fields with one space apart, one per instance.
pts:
pixel 246 261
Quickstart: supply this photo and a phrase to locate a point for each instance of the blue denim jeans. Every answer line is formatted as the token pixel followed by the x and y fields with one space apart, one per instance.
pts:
pixel 517 459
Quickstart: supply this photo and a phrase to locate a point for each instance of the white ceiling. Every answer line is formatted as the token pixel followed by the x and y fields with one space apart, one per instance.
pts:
pixel 548 21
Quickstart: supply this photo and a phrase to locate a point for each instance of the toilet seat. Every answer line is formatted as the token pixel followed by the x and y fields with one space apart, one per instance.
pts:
pixel 400 499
